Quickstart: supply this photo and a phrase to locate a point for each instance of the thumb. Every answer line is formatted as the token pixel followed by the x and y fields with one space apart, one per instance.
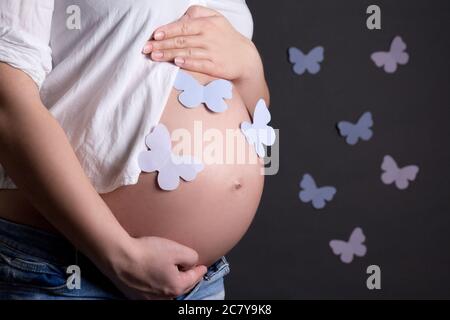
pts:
pixel 200 12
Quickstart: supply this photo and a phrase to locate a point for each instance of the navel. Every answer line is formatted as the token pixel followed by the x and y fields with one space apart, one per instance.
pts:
pixel 237 184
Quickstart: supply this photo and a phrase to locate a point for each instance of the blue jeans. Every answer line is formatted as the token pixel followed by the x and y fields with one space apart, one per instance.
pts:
pixel 34 265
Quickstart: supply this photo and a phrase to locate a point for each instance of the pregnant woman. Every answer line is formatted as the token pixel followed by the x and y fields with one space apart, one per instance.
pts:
pixel 81 87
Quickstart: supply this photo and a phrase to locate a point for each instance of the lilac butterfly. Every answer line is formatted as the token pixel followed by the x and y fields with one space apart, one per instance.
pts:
pixel 160 158
pixel 360 130
pixel 194 94
pixel 396 55
pixel 392 173
pixel 353 247
pixel 311 192
pixel 306 62
pixel 259 133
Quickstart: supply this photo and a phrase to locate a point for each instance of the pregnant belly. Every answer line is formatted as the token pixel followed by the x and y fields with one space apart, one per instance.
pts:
pixel 211 213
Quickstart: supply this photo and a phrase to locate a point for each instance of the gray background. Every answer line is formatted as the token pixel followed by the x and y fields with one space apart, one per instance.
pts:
pixel 285 254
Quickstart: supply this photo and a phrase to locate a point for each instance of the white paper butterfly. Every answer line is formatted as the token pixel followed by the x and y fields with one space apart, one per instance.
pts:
pixel 194 94
pixel 160 158
pixel 259 133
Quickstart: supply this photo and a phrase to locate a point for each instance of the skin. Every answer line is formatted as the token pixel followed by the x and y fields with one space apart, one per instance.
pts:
pixel 211 213
pixel 49 175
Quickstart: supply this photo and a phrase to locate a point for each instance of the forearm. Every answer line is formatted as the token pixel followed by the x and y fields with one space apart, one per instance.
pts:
pixel 37 155
pixel 252 86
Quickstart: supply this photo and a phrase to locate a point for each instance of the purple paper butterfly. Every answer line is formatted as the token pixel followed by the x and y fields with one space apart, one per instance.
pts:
pixel 353 247
pixel 317 196
pixel 360 130
pixel 396 55
pixel 401 176
pixel 306 62
pixel 160 158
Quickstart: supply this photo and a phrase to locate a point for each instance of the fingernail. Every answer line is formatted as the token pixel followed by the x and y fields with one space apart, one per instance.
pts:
pixel 157 55
pixel 159 35
pixel 179 61
pixel 147 49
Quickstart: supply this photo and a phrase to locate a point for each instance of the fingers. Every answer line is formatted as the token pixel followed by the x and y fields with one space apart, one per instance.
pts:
pixel 183 281
pixel 180 42
pixel 184 257
pixel 167 50
pixel 188 272
pixel 196 65
pixel 170 55
pixel 182 27
pixel 188 279
pixel 190 24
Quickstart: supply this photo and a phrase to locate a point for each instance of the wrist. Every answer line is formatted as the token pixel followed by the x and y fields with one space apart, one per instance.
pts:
pixel 116 254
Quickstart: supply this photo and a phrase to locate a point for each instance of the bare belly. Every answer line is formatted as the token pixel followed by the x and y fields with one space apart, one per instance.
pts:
pixel 209 214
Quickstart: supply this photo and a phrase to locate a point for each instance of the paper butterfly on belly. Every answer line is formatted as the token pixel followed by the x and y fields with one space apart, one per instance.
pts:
pixel 259 133
pixel 360 130
pixel 160 158
pixel 396 55
pixel 194 94
pixel 302 62
pixel 310 192
pixel 401 176
pixel 353 247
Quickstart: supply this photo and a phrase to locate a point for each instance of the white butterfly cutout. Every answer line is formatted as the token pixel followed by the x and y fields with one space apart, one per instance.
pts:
pixel 259 133
pixel 194 94
pixel 160 158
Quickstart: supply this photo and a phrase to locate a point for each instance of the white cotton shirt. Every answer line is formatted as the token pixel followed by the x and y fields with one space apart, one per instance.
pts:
pixel 106 95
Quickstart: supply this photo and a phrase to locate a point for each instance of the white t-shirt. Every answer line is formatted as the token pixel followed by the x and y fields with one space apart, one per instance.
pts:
pixel 106 95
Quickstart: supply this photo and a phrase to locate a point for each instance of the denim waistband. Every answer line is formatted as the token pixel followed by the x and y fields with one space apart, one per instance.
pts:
pixel 39 243
pixel 57 249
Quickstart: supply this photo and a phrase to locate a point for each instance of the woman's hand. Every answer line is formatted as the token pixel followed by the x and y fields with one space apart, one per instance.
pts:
pixel 155 268
pixel 204 41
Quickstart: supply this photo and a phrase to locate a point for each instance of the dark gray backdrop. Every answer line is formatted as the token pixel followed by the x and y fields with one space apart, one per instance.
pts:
pixel 285 254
